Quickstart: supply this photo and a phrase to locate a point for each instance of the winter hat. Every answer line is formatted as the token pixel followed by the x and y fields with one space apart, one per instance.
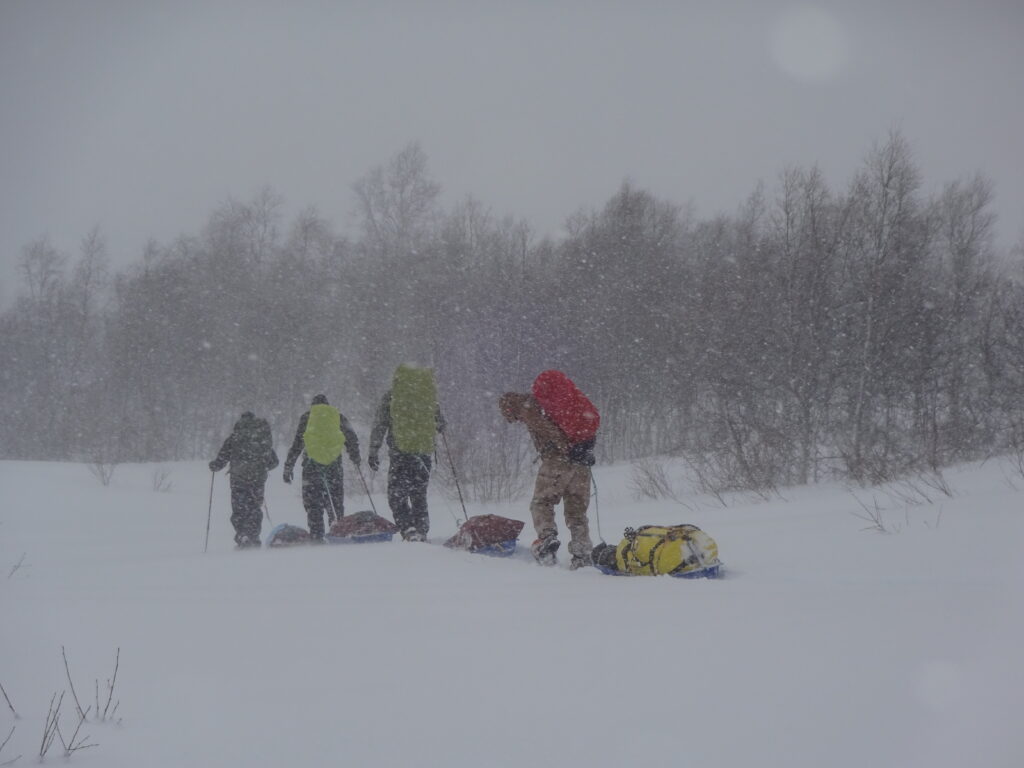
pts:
pixel 320 400
pixel 511 405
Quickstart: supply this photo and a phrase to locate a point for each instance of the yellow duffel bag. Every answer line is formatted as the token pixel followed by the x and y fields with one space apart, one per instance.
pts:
pixel 683 551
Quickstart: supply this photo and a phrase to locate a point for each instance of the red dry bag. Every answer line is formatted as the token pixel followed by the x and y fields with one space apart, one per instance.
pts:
pixel 565 405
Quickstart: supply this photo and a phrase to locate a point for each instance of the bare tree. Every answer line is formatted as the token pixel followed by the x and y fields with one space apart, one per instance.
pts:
pixel 397 202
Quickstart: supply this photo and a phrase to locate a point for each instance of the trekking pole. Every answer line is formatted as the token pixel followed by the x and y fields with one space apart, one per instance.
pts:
pixel 266 511
pixel 455 475
pixel 209 513
pixel 366 488
pixel 597 508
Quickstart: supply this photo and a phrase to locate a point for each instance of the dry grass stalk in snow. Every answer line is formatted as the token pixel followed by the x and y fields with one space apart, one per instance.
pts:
pixel 161 480
pixel 50 727
pixel 8 700
pixel 107 712
pixel 650 480
pixel 75 743
pixel 78 706
pixel 17 566
pixel 4 744
pixel 872 515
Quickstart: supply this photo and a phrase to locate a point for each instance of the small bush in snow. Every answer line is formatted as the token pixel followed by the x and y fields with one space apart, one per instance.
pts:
pixel 161 480
pixel 650 480
pixel 102 471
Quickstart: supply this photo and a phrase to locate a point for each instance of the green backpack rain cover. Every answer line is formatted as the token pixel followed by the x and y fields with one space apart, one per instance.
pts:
pixel 323 437
pixel 413 409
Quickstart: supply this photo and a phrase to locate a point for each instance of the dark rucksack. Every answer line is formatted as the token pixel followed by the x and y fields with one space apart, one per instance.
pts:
pixel 285 535
pixel 253 451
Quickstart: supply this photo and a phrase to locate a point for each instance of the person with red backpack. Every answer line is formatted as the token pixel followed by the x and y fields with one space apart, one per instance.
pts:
pixel 563 424
pixel 322 436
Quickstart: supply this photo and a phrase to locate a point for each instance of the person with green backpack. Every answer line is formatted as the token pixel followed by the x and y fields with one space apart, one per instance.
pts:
pixel 322 436
pixel 409 416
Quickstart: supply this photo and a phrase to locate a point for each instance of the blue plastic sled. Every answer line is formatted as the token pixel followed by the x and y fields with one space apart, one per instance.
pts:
pixel 504 549
pixel 364 539
pixel 711 572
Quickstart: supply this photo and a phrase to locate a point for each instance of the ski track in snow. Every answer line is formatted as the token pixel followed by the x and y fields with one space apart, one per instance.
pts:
pixel 824 645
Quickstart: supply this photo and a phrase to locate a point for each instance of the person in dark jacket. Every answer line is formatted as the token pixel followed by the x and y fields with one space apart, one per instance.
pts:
pixel 249 449
pixel 409 416
pixel 323 434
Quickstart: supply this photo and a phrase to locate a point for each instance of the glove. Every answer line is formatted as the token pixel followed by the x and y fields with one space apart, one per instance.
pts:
pixel 373 461
pixel 287 475
pixel 213 466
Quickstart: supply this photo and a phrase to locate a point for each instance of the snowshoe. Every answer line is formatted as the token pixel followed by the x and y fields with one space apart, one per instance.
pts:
pixel 544 550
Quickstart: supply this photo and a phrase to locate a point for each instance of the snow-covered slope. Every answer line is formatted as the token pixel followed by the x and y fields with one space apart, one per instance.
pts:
pixel 825 645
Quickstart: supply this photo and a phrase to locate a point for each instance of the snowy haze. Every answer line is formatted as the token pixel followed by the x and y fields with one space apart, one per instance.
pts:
pixel 142 117
pixel 825 645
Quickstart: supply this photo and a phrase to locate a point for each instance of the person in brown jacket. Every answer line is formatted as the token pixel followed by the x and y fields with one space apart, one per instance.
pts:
pixel 560 478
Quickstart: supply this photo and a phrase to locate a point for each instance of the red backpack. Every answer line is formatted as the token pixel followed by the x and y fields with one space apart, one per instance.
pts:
pixel 565 405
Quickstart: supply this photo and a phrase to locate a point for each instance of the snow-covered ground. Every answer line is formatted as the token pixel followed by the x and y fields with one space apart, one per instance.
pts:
pixel 826 645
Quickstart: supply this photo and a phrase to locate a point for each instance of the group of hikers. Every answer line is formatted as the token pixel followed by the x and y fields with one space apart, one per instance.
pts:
pixel 560 420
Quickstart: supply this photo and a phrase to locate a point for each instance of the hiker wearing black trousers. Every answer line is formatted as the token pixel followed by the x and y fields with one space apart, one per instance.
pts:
pixel 408 473
pixel 250 452
pixel 323 485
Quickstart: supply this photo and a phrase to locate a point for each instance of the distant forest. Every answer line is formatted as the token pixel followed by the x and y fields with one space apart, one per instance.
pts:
pixel 816 333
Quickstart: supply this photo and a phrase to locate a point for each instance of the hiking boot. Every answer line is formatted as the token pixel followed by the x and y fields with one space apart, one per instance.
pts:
pixel 603 557
pixel 411 534
pixel 544 550
pixel 580 561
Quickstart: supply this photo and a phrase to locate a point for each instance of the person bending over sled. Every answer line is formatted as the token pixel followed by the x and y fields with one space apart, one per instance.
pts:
pixel 249 449
pixel 322 436
pixel 564 473
pixel 409 416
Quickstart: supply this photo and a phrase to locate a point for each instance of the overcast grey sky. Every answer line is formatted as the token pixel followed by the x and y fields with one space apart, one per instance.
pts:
pixel 142 116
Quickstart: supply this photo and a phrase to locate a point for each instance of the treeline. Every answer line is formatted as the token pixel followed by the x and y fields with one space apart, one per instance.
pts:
pixel 862 332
